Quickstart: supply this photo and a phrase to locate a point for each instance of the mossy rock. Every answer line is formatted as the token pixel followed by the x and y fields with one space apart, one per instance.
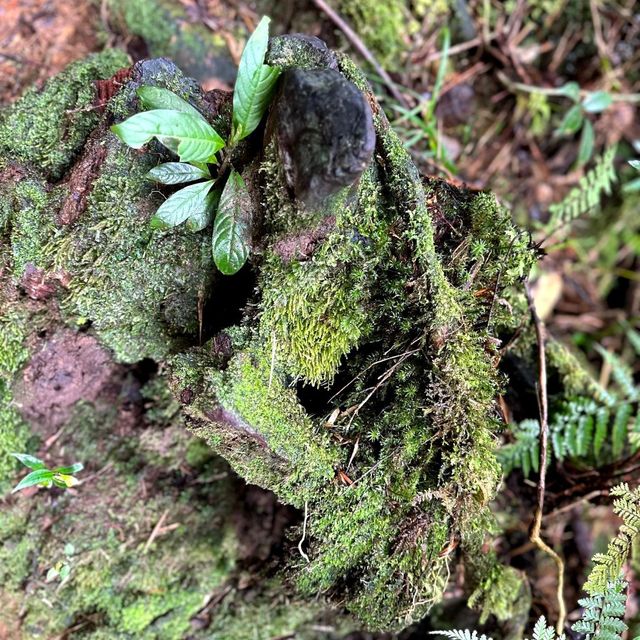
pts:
pixel 349 368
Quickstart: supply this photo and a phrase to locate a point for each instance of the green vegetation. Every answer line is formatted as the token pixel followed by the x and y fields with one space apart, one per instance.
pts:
pixel 183 130
pixel 61 477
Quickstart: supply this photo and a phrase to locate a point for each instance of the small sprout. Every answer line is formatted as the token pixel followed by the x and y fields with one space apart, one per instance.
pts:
pixel 61 570
pixel 182 129
pixel 62 477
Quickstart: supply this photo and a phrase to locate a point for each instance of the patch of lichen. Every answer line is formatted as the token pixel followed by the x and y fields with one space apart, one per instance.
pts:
pixel 46 128
pixel 140 288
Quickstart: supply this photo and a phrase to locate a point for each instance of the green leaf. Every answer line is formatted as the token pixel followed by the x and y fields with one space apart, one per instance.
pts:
pixel 191 201
pixel 635 164
pixel 231 238
pixel 69 549
pixel 193 139
pixel 176 173
pixel 29 461
pixel 254 85
pixel 158 98
pixel 597 102
pixel 65 571
pixel 74 468
pixel 35 477
pixel 571 90
pixel 572 121
pixel 201 219
pixel 65 481
pixel 587 138
pixel 52 574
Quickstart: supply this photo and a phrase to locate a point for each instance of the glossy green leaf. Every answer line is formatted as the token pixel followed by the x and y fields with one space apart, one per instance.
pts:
pixel 201 219
pixel 635 164
pixel 572 121
pixel 231 240
pixel 177 172
pixel 193 139
pixel 74 468
pixel 587 139
pixel 597 102
pixel 191 201
pixel 571 90
pixel 158 98
pixel 254 85
pixel 35 477
pixel 29 461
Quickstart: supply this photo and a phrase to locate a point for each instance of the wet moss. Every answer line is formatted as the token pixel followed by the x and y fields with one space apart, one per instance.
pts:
pixel 14 433
pixel 139 288
pixel 47 128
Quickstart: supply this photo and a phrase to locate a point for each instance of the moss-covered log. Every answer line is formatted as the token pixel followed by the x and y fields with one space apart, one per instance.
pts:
pixel 350 368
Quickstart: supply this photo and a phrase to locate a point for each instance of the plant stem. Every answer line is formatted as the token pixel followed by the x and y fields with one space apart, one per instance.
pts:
pixel 543 403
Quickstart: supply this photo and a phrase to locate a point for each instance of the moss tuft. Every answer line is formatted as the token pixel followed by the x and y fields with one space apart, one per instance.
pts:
pixel 47 128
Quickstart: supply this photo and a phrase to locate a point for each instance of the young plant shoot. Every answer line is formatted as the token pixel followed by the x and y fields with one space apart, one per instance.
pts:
pixel 61 477
pixel 183 130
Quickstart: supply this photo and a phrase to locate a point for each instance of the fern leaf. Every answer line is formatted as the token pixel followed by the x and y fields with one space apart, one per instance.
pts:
pixel 543 632
pixel 461 634
pixel 602 429
pixel 607 565
pixel 586 196
pixel 619 430
pixel 622 373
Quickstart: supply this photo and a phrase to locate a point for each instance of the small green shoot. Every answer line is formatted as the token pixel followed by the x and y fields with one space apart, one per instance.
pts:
pixel 61 477
pixel 182 129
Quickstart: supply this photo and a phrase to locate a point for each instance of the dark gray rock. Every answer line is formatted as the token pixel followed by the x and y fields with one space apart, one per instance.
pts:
pixel 325 132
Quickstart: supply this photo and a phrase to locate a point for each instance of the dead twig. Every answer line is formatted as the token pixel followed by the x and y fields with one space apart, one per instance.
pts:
pixel 534 532
pixel 362 49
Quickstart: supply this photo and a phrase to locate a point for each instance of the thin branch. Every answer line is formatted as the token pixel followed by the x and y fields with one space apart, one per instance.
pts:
pixel 534 532
pixel 362 49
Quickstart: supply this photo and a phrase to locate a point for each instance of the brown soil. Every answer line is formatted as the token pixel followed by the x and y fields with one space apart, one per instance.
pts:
pixel 66 367
pixel 38 38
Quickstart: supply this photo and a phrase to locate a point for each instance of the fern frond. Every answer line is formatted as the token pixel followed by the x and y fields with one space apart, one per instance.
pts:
pixel 543 632
pixel 586 196
pixel 461 634
pixel 603 612
pixel 607 565
pixel 524 453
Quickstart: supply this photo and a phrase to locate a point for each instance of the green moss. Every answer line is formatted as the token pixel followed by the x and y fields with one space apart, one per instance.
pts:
pixel 13 354
pixel 140 288
pixel 251 392
pixel 47 128
pixel 382 25
pixel 32 225
pixel 168 31
pixel 315 311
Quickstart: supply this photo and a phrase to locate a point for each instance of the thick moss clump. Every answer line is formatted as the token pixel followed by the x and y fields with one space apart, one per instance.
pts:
pixel 47 129
pixel 350 368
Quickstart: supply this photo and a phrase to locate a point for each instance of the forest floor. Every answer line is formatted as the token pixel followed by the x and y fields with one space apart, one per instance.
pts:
pixel 522 98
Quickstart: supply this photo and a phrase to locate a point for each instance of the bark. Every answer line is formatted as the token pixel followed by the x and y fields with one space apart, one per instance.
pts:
pixel 349 369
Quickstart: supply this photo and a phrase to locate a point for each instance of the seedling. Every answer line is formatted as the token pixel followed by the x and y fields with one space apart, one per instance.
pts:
pixel 62 477
pixel 183 130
